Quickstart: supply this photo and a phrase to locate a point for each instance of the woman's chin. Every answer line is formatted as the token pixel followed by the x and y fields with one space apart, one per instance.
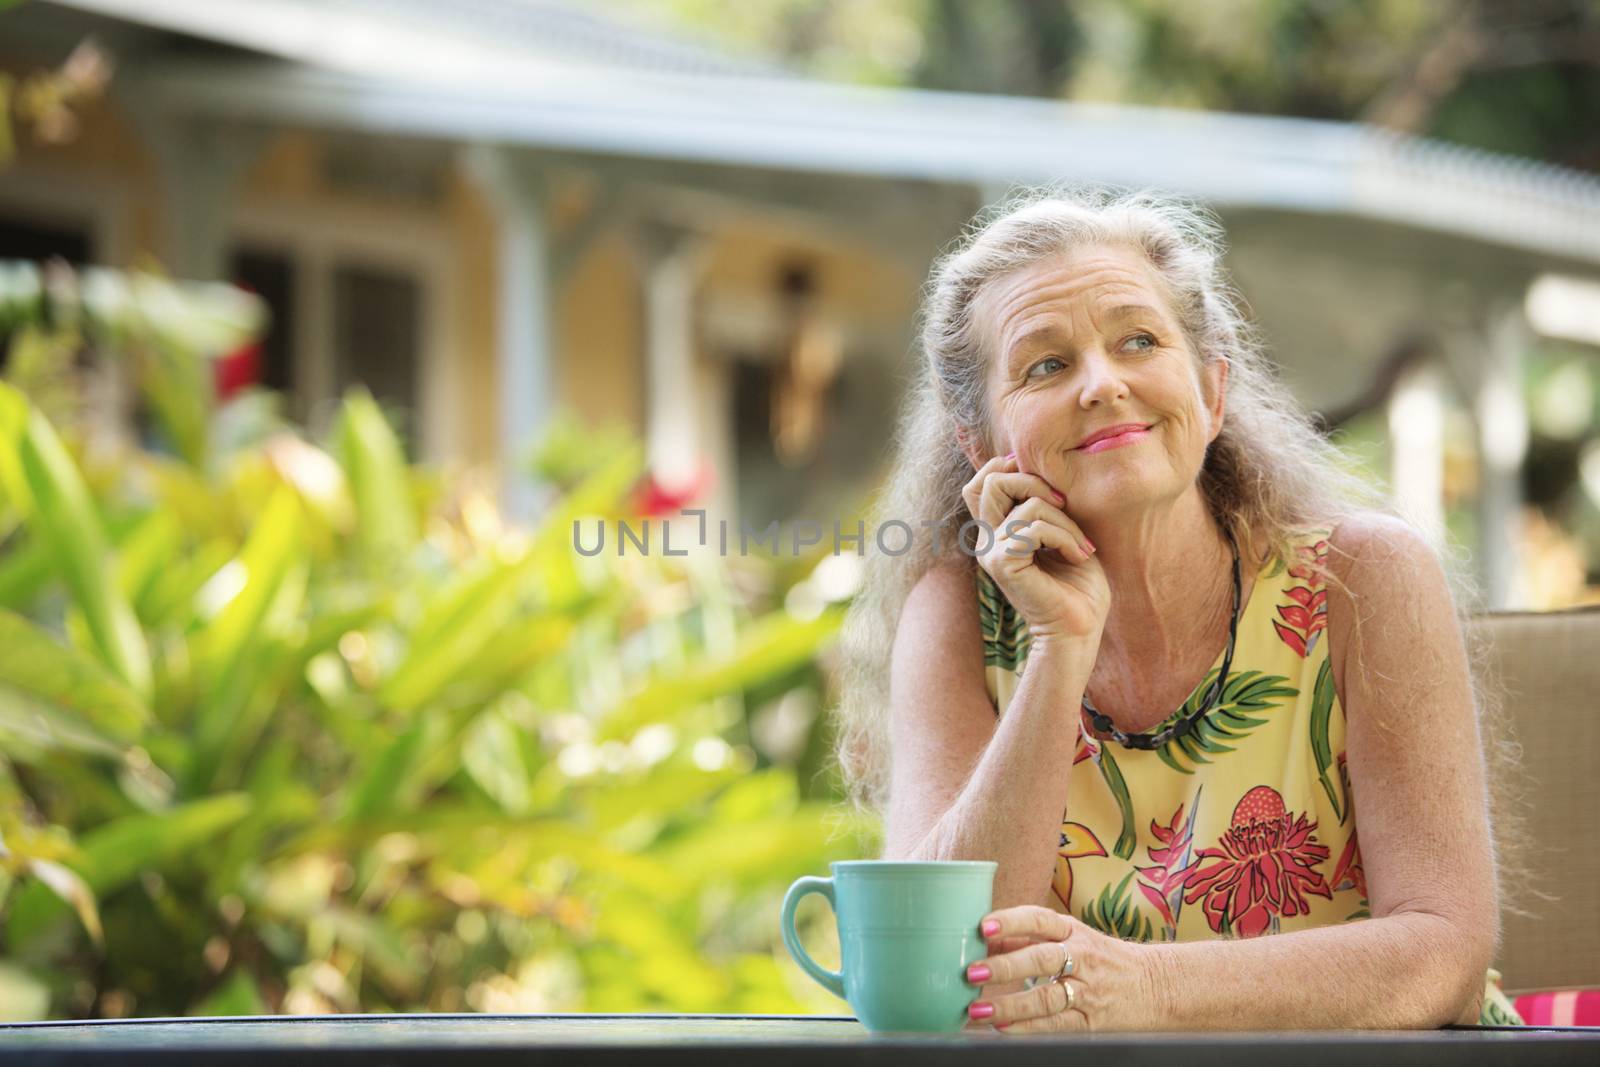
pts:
pixel 1108 496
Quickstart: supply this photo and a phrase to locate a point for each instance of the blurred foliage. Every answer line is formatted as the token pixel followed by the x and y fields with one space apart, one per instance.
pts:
pixel 1511 75
pixel 296 726
pixel 47 102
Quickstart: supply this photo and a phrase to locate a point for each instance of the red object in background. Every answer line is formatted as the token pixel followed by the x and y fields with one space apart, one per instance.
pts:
pixel 652 500
pixel 236 370
pixel 1560 1007
pixel 239 368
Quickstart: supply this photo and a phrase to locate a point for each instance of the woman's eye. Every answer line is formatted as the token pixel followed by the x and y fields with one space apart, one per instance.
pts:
pixel 1043 364
pixel 1150 342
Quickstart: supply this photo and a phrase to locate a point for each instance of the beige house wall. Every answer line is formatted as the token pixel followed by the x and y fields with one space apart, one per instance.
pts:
pixel 600 342
pixel 102 178
pixel 474 359
pixel 600 366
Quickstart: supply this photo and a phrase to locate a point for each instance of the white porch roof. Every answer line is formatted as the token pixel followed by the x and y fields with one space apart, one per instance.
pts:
pixel 538 74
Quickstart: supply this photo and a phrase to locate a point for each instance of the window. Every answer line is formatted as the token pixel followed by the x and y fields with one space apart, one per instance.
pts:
pixel 376 324
pixel 270 275
pixel 352 302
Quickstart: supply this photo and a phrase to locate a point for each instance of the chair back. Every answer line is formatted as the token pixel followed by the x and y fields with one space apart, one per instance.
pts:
pixel 1549 663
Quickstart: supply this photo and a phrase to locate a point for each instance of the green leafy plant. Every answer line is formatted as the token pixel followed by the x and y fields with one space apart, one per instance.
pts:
pixel 289 726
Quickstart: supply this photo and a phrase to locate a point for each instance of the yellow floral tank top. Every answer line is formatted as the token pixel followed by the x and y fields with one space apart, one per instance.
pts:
pixel 1241 827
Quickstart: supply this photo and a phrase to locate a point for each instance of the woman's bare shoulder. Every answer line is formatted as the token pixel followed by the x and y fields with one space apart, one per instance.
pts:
pixel 945 597
pixel 1372 552
pixel 937 638
pixel 1388 569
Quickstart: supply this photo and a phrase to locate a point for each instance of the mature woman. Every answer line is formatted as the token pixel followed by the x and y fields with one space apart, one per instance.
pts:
pixel 1183 658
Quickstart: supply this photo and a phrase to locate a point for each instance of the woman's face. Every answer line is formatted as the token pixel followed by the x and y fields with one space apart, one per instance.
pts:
pixel 1086 341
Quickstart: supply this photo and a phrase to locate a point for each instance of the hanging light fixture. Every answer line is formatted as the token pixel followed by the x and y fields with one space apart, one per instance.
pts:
pixel 806 371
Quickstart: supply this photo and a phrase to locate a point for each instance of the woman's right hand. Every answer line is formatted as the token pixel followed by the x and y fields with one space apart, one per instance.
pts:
pixel 1045 568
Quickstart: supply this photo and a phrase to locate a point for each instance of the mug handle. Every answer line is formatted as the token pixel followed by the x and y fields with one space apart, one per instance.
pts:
pixel 832 981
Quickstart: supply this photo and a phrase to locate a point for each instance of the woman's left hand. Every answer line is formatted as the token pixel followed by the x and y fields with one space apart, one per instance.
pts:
pixel 1110 979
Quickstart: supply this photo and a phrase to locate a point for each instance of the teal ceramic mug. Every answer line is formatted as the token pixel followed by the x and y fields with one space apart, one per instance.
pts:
pixel 907 931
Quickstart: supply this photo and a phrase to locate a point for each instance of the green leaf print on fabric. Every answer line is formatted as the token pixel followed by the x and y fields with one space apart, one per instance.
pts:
pixel 1005 633
pixel 1114 912
pixel 1497 1009
pixel 1244 692
pixel 1112 774
pixel 1321 748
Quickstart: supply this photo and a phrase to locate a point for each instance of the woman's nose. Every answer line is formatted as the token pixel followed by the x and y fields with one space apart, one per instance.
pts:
pixel 1101 382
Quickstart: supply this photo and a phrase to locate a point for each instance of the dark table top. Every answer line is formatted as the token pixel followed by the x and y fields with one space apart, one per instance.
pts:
pixel 766 1039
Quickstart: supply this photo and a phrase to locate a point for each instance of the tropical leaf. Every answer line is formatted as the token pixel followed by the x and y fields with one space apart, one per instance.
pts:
pixel 602 493
pixel 115 853
pixel 1322 698
pixel 112 855
pixel 174 381
pixel 143 556
pixel 266 582
pixel 1006 638
pixel 777 848
pixel 493 758
pixel 1127 840
pixel 389 782
pixel 459 621
pixel 1115 912
pixel 170 600
pixel 65 518
pixel 14 493
pixel 66 682
pixel 772 645
pixel 375 463
pixel 1229 721
pixel 66 884
pixel 25 570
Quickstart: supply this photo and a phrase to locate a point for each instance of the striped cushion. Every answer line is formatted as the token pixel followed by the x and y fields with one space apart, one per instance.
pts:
pixel 1560 1007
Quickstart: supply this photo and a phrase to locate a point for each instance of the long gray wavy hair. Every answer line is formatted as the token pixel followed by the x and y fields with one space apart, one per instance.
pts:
pixel 1269 476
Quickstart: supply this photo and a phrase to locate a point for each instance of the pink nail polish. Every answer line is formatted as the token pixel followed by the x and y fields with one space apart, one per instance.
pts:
pixel 980 1010
pixel 978 973
pixel 991 927
pixel 1059 498
pixel 1011 455
pixel 1089 543
pixel 1001 1026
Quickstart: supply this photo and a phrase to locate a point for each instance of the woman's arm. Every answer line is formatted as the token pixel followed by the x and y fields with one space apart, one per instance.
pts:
pixel 1419 792
pixel 963 786
pixel 1405 971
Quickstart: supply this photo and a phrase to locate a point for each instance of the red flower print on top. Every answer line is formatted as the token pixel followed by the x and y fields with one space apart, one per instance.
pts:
pixel 1306 616
pixel 1163 882
pixel 1266 862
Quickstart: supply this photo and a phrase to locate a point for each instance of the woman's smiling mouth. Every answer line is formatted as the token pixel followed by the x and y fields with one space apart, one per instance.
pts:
pixel 1127 437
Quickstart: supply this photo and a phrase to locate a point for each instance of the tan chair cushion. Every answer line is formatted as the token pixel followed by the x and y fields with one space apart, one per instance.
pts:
pixel 1549 663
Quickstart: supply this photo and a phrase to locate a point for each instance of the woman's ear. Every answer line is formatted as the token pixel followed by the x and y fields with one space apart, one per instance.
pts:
pixel 1216 373
pixel 972 446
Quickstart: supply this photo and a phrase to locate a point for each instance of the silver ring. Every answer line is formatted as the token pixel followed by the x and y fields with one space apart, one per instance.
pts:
pixel 1072 994
pixel 1067 965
